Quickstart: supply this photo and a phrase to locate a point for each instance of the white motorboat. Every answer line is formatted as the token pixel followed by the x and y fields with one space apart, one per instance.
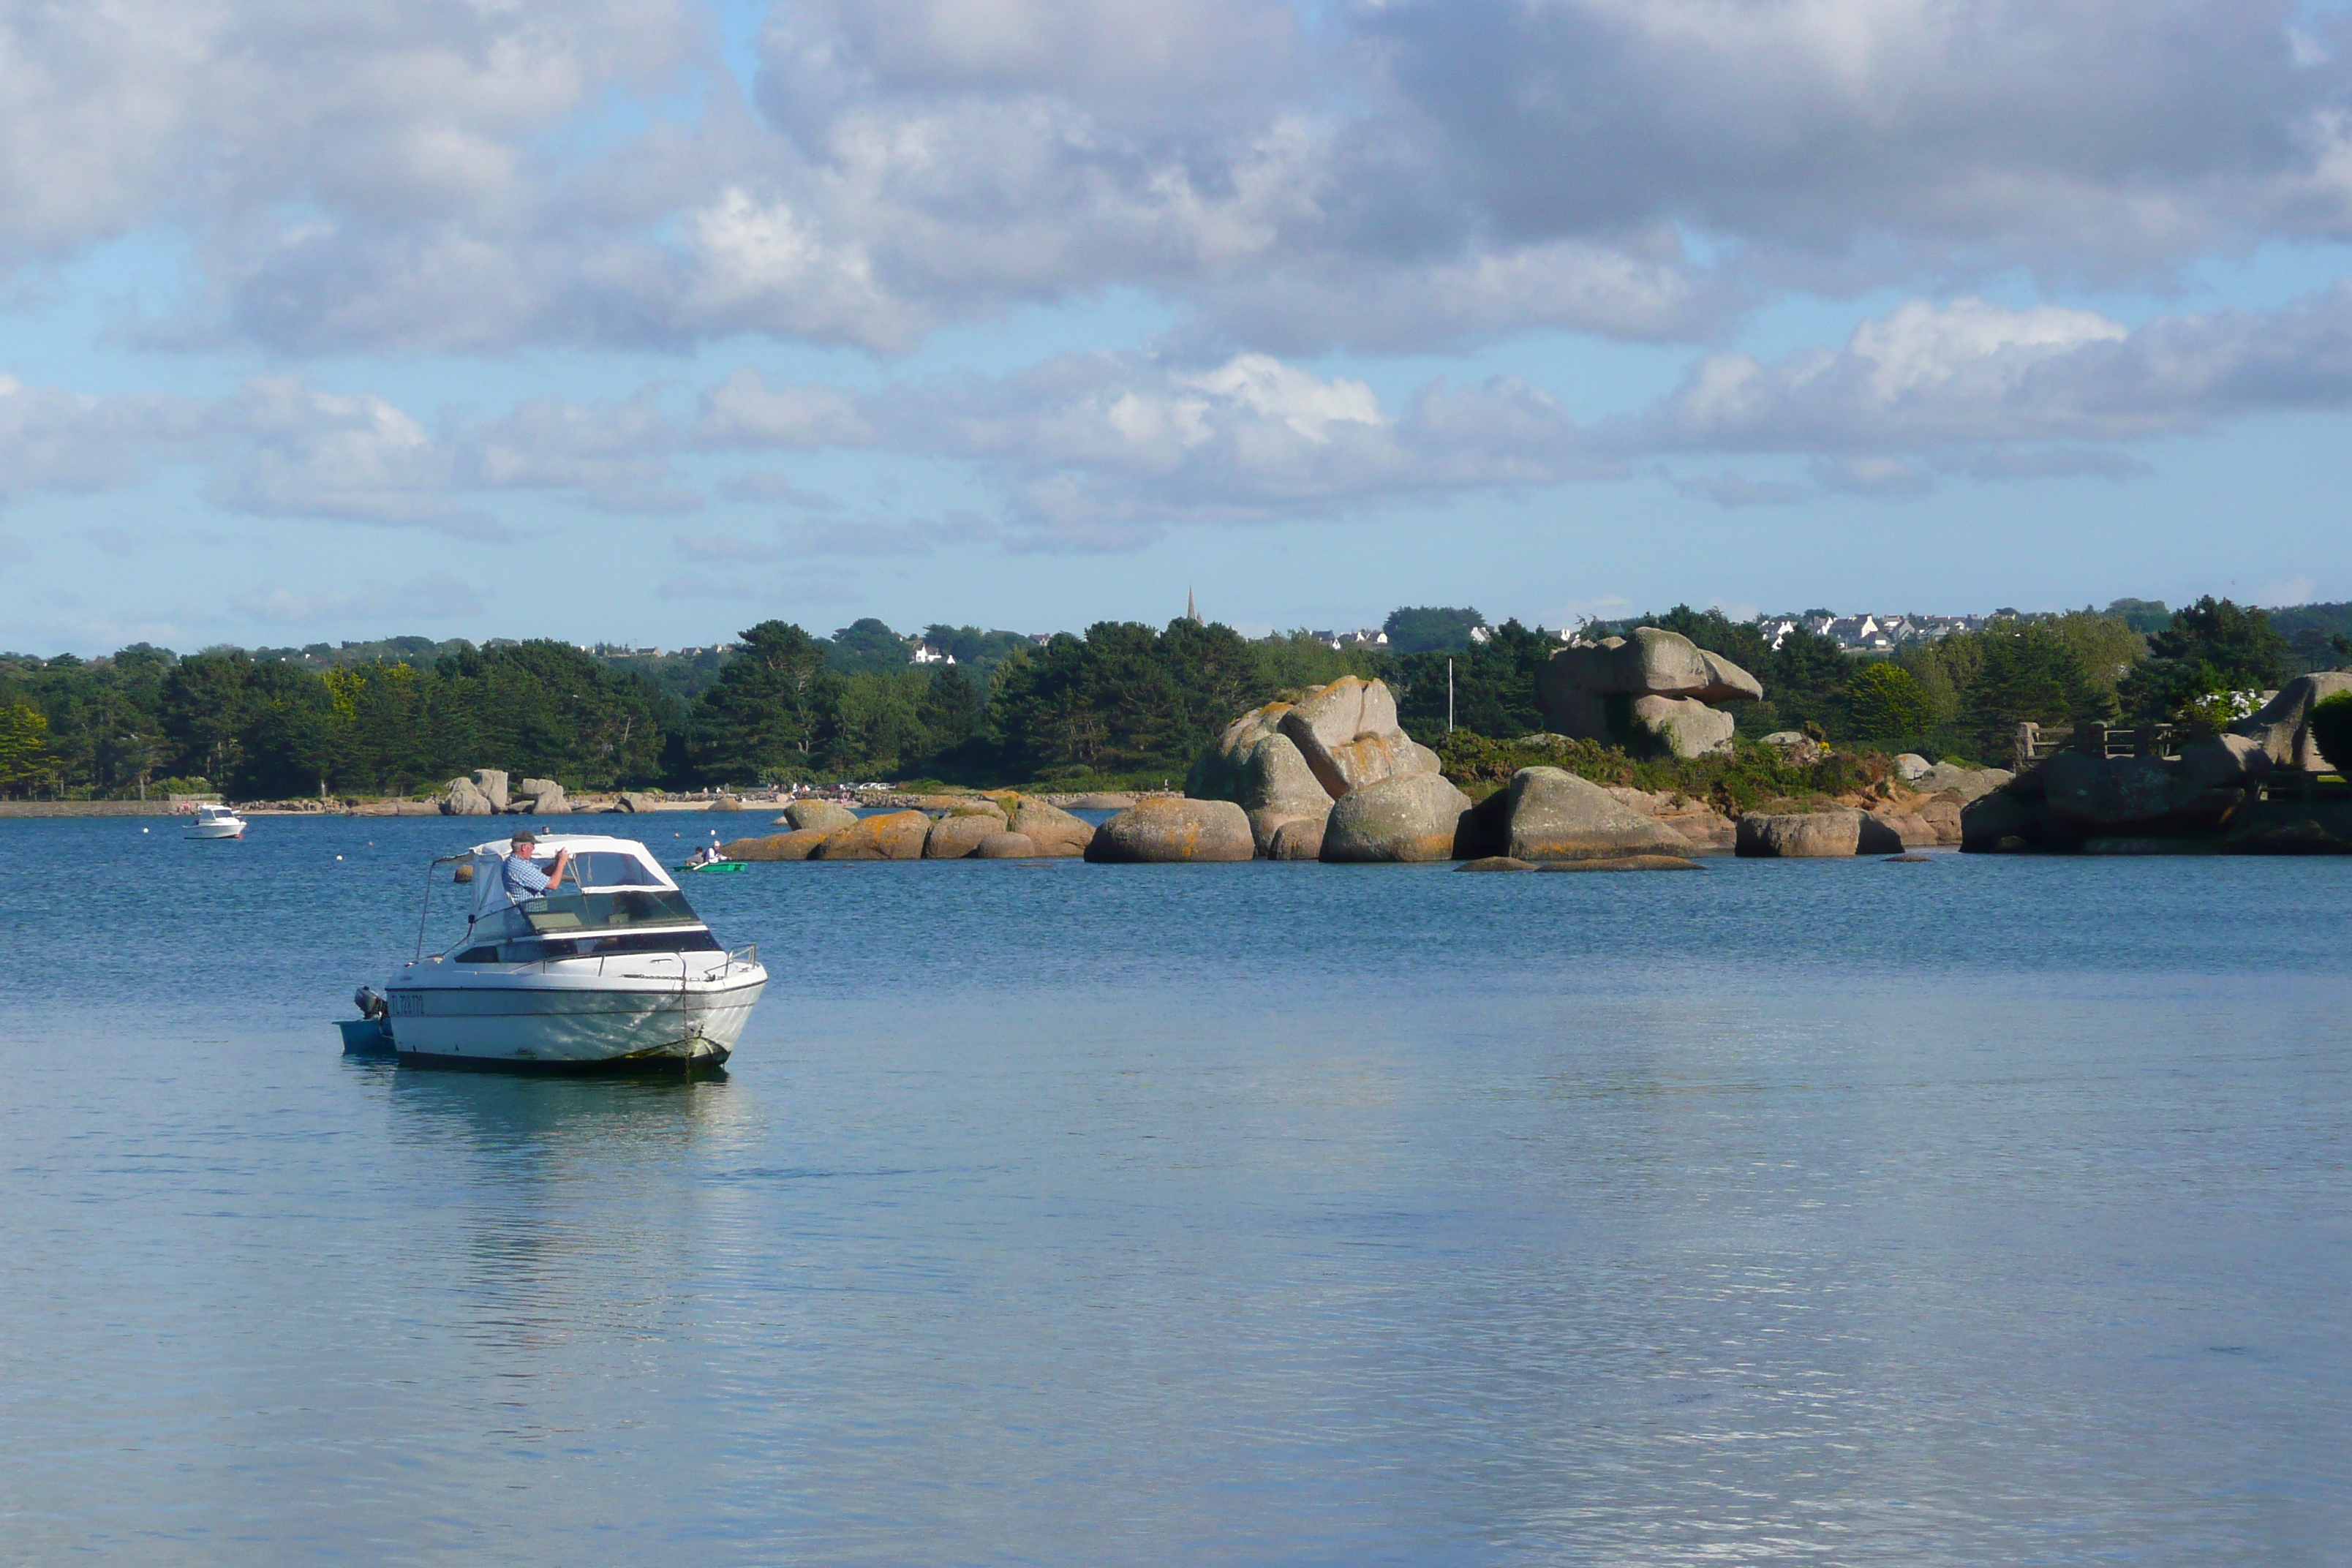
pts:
pixel 612 968
pixel 215 822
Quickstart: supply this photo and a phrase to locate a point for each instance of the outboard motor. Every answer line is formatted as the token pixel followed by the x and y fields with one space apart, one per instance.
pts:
pixel 371 1002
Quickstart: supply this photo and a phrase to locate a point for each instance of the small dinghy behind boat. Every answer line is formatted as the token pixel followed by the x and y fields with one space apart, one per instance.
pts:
pixel 612 969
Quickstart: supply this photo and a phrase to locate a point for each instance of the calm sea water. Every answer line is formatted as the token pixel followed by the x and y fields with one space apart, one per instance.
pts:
pixel 1989 1210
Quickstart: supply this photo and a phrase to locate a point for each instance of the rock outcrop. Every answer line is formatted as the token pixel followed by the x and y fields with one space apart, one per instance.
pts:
pixel 1694 820
pixel 1550 814
pixel 1970 784
pixel 1649 684
pixel 1168 829
pixel 1300 838
pixel 463 797
pixel 2210 798
pixel 2283 726
pixel 1053 831
pixel 492 783
pixel 1624 863
pixel 1286 762
pixel 893 835
pixel 798 845
pixel 1411 817
pixel 827 814
pixel 1006 847
pixel 1815 834
pixel 959 835
pixel 540 797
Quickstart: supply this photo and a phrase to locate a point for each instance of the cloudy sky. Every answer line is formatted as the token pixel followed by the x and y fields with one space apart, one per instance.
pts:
pixel 642 320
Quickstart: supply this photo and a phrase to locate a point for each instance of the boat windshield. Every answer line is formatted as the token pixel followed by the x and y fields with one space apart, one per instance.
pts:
pixel 569 910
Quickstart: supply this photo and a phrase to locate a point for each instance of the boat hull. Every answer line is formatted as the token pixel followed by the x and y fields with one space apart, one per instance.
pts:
pixel 547 1020
pixel 217 830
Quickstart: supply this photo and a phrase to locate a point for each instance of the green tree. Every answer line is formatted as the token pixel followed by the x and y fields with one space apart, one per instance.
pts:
pixel 203 711
pixel 26 762
pixel 2141 616
pixel 952 710
pixel 1431 629
pixel 2211 646
pixel 1804 682
pixel 1885 701
pixel 768 716
pixel 1495 686
pixel 2028 671
pixel 868 647
pixel 1124 698
pixel 875 725
pixel 976 652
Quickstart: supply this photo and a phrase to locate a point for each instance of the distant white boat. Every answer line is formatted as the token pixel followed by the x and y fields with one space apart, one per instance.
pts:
pixel 217 822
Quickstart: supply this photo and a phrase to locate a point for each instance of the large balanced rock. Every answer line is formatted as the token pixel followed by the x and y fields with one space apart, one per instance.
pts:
pixel 1550 814
pixel 1651 683
pixel 1050 829
pixel 798 845
pixel 959 835
pixel 492 783
pixel 540 797
pixel 1814 834
pixel 1286 762
pixel 1271 781
pixel 2283 726
pixel 1411 817
pixel 464 798
pixel 827 814
pixel 1346 733
pixel 1168 828
pixel 1688 726
pixel 893 835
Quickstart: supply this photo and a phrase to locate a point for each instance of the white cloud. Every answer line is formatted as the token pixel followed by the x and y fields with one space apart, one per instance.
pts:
pixel 436 596
pixel 1931 377
pixel 1388 174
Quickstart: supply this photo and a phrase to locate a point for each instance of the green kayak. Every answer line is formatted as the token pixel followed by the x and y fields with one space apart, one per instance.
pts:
pixel 707 865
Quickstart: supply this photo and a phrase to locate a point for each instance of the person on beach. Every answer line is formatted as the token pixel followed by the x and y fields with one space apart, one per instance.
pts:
pixel 520 877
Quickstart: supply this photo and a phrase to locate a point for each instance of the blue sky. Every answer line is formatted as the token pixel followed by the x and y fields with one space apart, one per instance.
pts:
pixel 646 321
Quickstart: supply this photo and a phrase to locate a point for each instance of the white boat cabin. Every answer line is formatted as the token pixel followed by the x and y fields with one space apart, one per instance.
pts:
pixel 614 898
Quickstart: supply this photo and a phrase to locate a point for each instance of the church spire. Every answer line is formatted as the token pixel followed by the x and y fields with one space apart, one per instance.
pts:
pixel 1191 612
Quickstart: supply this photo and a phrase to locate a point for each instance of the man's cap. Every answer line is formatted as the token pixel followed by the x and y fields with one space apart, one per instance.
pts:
pixel 523 835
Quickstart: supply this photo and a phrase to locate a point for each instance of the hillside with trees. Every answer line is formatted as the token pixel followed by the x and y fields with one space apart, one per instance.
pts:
pixel 1121 704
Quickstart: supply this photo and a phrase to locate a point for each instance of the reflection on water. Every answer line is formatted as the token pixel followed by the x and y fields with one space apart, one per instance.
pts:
pixel 1823 1213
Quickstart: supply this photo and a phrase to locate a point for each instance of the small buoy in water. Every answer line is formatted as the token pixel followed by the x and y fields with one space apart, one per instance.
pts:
pixel 465 874
pixel 145 830
pixel 338 856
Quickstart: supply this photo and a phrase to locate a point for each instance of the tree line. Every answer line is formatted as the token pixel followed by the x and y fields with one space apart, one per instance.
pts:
pixel 1122 703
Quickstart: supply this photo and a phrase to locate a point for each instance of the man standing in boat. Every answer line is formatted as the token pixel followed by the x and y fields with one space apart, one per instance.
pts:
pixel 522 879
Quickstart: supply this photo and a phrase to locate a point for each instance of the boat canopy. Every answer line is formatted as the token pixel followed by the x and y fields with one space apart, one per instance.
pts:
pixel 599 864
